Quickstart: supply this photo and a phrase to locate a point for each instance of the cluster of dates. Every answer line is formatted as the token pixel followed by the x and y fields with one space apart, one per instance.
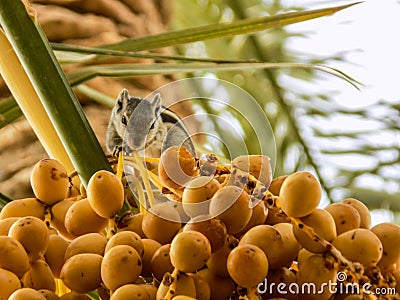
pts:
pixel 226 232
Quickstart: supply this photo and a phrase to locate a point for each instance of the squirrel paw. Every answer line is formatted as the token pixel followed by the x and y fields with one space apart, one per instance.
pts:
pixel 117 150
pixel 125 149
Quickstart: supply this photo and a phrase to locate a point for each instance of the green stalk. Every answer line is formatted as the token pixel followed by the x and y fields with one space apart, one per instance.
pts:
pixel 110 52
pixel 49 81
pixel 4 200
pixel 9 112
pixel 96 95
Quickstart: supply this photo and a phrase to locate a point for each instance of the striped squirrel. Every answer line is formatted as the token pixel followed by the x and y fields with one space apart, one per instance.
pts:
pixel 137 124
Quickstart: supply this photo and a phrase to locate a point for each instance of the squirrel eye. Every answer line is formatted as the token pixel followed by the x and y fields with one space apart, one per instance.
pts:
pixel 152 126
pixel 123 120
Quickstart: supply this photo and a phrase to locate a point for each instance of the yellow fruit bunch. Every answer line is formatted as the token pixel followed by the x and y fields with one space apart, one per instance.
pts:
pixel 221 232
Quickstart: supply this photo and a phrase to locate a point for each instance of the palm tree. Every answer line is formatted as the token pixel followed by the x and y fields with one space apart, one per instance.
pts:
pixel 298 146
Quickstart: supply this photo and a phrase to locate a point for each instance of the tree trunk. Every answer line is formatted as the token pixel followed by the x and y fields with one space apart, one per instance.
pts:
pixel 88 23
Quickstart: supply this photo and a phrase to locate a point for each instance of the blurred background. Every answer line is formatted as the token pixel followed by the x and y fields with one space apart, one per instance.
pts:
pixel 348 138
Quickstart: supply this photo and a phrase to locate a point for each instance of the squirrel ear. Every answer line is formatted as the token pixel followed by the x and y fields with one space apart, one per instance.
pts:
pixel 122 99
pixel 156 103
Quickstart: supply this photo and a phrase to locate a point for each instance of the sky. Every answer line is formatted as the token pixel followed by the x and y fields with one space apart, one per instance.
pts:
pixel 369 31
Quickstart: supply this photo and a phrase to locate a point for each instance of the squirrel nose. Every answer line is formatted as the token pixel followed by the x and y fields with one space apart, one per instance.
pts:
pixel 138 143
pixel 135 142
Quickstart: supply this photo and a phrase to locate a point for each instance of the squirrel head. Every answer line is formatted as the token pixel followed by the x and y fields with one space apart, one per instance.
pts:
pixel 142 121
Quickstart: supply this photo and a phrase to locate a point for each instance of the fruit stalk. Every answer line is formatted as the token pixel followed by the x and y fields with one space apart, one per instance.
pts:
pixel 172 288
pixel 252 294
pixel 335 252
pixel 143 172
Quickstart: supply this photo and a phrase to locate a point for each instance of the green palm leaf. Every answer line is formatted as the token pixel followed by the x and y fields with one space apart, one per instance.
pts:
pixel 214 31
pixel 125 70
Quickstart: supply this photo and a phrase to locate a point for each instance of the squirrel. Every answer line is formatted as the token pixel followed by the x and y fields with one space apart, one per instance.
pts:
pixel 145 124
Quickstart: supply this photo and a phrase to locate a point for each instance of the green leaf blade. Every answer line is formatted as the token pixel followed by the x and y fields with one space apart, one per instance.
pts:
pixel 214 31
pixel 127 70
